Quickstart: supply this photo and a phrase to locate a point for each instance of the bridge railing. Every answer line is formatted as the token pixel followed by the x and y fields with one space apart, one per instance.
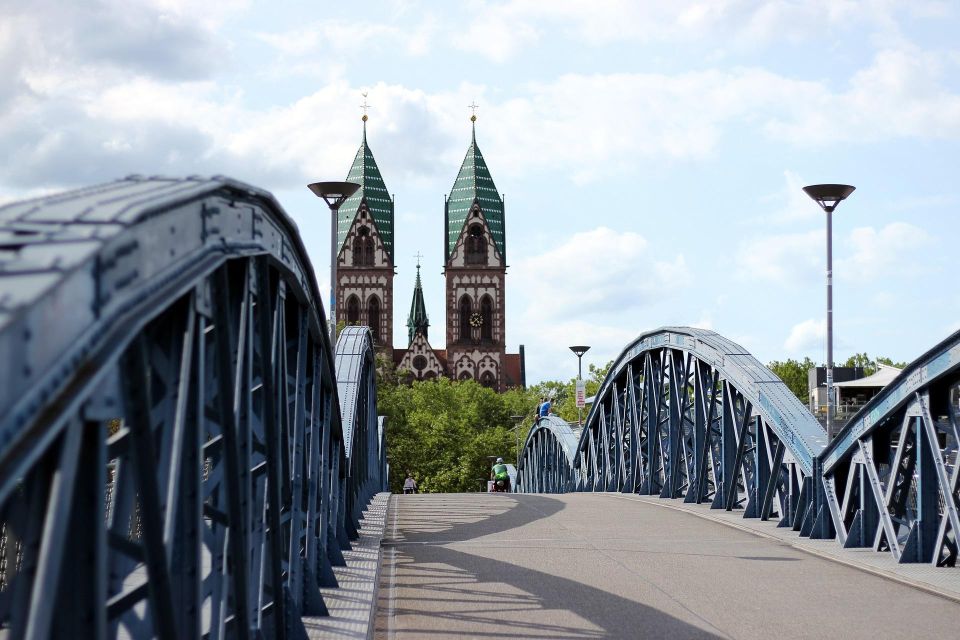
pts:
pixel 173 460
pixel 685 413
pixel 891 476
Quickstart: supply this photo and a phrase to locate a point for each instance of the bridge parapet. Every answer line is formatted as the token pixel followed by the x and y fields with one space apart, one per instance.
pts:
pixel 548 460
pixel 686 413
pixel 891 476
pixel 164 340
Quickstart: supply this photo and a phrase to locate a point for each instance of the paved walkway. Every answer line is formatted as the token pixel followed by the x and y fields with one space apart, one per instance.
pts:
pixel 941 581
pixel 602 566
pixel 351 604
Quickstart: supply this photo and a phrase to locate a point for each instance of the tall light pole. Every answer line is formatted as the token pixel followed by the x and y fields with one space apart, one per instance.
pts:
pixel 579 350
pixel 334 194
pixel 828 196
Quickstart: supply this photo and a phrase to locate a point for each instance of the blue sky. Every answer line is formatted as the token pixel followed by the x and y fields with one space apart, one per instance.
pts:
pixel 651 153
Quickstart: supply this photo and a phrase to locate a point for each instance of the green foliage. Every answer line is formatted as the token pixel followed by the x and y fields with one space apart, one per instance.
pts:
pixel 794 375
pixel 563 395
pixel 444 432
pixel 870 364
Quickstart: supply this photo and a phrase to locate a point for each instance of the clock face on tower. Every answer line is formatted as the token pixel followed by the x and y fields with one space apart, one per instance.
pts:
pixel 476 320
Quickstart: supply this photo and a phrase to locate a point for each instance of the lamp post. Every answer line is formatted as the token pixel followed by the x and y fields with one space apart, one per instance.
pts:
pixel 579 350
pixel 828 196
pixel 334 194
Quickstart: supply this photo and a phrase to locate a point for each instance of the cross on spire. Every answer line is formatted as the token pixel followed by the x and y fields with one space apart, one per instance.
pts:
pixel 418 256
pixel 365 106
pixel 473 110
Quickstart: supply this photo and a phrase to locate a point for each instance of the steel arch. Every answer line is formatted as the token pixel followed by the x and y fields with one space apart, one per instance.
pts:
pixel 547 462
pixel 164 339
pixel 891 476
pixel 686 413
pixel 362 429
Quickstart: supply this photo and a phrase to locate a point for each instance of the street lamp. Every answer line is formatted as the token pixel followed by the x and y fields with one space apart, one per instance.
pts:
pixel 579 350
pixel 334 194
pixel 828 196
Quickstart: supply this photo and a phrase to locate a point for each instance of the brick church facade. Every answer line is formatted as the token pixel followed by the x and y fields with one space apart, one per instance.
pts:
pixel 474 269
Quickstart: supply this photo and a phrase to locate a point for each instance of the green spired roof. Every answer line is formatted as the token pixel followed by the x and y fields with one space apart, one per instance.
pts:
pixel 417 321
pixel 474 184
pixel 366 173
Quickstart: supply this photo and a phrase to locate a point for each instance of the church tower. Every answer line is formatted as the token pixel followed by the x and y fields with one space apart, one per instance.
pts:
pixel 474 243
pixel 420 359
pixel 365 265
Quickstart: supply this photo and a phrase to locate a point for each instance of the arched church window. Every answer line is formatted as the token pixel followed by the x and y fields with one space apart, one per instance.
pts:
pixel 476 252
pixel 486 314
pixel 466 310
pixel 429 375
pixel 363 248
pixel 373 317
pixel 464 375
pixel 488 380
pixel 353 310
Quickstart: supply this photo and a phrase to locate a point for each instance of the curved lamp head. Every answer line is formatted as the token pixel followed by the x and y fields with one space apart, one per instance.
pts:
pixel 579 350
pixel 333 193
pixel 828 196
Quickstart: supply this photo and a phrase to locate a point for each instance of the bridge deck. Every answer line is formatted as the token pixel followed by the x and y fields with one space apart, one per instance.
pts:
pixel 594 566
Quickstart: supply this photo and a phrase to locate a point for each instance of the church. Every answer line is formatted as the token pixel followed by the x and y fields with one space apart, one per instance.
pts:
pixel 475 269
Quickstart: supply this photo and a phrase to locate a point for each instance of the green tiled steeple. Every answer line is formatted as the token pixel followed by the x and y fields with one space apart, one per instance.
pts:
pixel 417 321
pixel 372 188
pixel 474 184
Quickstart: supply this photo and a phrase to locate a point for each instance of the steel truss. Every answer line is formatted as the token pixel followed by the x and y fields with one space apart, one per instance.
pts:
pixel 891 476
pixel 172 457
pixel 686 413
pixel 547 462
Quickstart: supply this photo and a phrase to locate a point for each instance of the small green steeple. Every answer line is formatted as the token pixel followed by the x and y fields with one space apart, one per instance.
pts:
pixel 474 184
pixel 417 321
pixel 366 173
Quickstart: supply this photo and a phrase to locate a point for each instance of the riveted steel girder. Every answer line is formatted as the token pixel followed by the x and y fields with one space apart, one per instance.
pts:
pixel 891 476
pixel 173 461
pixel 686 413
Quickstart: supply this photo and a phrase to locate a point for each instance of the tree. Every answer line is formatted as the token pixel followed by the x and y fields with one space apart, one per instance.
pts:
pixel 794 374
pixel 870 364
pixel 446 432
pixel 563 394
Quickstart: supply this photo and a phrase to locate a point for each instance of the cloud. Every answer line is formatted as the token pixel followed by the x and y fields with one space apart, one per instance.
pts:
pixel 886 252
pixel 513 25
pixel 162 39
pixel 547 356
pixel 598 270
pixel 782 258
pixel 596 287
pixel 794 205
pixel 130 101
pixel 353 37
pixel 806 336
pixel 867 255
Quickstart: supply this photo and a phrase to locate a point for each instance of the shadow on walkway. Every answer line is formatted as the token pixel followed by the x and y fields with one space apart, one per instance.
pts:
pixel 432 588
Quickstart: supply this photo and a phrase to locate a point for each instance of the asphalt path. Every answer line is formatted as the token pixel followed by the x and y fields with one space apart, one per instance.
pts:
pixel 607 566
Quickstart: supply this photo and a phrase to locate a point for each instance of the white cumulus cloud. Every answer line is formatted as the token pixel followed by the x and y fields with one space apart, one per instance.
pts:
pixel 806 336
pixel 595 287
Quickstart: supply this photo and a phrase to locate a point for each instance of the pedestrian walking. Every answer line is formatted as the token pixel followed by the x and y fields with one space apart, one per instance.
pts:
pixel 409 485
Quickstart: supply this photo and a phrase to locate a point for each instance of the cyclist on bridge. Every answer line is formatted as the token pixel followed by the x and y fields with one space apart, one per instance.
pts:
pixel 500 477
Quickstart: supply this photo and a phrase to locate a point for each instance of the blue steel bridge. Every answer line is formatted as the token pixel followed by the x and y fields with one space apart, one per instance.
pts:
pixel 184 453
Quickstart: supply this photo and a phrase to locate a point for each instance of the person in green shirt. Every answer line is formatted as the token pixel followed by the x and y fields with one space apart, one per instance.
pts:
pixel 500 477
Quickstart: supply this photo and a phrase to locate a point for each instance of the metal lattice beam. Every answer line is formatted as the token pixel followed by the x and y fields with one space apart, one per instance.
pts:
pixel 891 478
pixel 686 413
pixel 173 461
